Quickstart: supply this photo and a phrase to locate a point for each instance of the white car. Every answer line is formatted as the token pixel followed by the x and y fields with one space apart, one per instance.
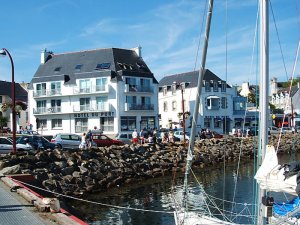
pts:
pixel 179 134
pixel 6 146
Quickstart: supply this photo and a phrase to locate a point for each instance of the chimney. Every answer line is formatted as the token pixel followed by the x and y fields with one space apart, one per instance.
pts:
pixel 274 86
pixel 44 56
pixel 138 51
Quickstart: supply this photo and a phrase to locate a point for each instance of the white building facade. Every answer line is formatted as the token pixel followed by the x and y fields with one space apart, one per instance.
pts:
pixel 216 105
pixel 111 89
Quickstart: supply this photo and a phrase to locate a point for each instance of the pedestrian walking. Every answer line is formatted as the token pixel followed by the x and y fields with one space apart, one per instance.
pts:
pixel 83 142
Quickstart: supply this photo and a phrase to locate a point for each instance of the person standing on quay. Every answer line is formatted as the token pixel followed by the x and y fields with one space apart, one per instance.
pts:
pixel 135 138
pixel 83 142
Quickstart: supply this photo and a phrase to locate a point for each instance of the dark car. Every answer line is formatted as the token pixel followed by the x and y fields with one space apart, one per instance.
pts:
pixel 37 142
pixel 216 135
pixel 102 140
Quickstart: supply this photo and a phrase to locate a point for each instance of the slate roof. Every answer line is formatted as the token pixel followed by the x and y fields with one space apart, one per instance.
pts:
pixel 294 90
pixel 6 89
pixel 121 62
pixel 189 77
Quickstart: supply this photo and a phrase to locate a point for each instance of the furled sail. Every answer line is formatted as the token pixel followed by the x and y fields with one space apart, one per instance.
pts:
pixel 273 177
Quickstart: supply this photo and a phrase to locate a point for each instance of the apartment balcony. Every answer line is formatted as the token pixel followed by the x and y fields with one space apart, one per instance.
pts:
pixel 47 110
pixel 91 90
pixel 46 93
pixel 131 107
pixel 103 107
pixel 137 88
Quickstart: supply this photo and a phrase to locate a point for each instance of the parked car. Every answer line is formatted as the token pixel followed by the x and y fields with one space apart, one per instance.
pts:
pixel 66 140
pixel 274 130
pixel 37 142
pixel 6 145
pixel 216 135
pixel 102 140
pixel 286 130
pixel 179 134
pixel 124 137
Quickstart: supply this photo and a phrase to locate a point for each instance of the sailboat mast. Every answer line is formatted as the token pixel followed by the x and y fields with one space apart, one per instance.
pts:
pixel 197 102
pixel 263 96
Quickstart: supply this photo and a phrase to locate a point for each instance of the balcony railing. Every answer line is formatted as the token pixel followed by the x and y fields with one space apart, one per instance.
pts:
pixel 137 88
pixel 46 93
pixel 130 106
pixel 47 110
pixel 92 89
pixel 103 107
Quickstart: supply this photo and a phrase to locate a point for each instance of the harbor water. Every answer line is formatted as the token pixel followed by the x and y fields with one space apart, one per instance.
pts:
pixel 154 198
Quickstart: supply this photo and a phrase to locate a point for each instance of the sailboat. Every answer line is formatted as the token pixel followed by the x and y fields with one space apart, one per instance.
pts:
pixel 270 175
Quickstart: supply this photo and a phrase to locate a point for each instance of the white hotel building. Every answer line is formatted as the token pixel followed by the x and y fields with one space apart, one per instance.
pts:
pixel 216 110
pixel 111 88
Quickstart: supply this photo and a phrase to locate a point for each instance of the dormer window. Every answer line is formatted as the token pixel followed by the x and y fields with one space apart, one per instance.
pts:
pixel 207 86
pixel 57 69
pixel 216 86
pixel 174 89
pixel 102 66
pixel 165 91
pixel 223 86
pixel 78 67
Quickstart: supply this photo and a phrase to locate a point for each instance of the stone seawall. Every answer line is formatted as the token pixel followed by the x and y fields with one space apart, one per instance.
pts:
pixel 79 172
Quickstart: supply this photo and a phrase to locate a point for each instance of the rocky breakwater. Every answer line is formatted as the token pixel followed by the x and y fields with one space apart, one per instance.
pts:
pixel 79 172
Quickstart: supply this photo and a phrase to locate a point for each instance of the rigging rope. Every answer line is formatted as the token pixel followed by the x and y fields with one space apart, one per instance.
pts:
pixel 93 202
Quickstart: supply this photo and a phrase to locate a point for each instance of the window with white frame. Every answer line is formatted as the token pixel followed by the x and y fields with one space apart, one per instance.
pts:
pixel 216 86
pixel 223 86
pixel 42 123
pixel 56 123
pixel 85 86
pixel 81 125
pixel 207 86
pixel 174 89
pixel 55 88
pixel 207 121
pixel 102 103
pixel 217 122
pixel 165 91
pixel 174 106
pixel 41 106
pixel 128 123
pixel 41 89
pixel 165 106
pixel 101 84
pixel 84 104
pixel 55 105
pixel 145 84
pixel 107 123
pixel 224 103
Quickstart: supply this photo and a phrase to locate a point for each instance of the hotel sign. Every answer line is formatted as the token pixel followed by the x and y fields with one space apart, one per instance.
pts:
pixel 94 114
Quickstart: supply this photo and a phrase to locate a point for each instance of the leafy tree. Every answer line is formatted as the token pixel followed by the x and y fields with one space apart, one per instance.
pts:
pixel 3 121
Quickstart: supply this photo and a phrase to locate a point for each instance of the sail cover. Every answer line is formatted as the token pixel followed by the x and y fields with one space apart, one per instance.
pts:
pixel 270 176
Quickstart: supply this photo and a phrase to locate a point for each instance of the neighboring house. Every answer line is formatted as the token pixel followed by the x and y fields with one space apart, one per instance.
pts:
pixel 112 89
pixel 216 106
pixel 287 99
pixel 20 95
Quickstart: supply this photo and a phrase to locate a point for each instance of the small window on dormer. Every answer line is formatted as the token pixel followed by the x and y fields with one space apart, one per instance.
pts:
pixel 78 67
pixel 165 91
pixel 207 86
pixel 216 86
pixel 102 66
pixel 174 89
pixel 57 69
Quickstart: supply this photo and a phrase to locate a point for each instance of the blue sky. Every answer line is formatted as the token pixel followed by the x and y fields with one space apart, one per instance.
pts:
pixel 167 30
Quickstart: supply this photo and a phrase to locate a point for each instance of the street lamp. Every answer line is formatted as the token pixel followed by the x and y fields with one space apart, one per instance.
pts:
pixel 4 52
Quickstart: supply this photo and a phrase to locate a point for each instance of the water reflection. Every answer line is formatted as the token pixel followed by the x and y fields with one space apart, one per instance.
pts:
pixel 156 194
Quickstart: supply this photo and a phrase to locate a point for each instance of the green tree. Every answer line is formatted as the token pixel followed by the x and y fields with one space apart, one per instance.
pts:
pixel 3 122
